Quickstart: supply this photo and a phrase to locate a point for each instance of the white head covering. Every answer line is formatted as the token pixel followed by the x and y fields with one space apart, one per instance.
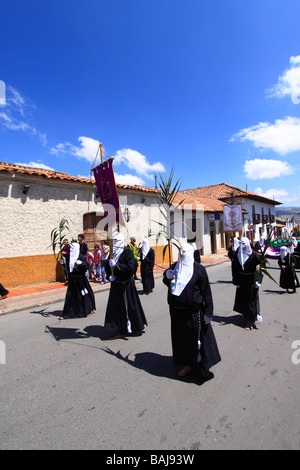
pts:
pixel 292 245
pixel 118 245
pixel 245 251
pixel 74 253
pixel 183 270
pixel 145 248
pixel 236 244
pixel 283 252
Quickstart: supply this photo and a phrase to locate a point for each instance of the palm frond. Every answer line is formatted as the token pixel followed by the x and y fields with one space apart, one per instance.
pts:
pixel 167 196
pixel 57 236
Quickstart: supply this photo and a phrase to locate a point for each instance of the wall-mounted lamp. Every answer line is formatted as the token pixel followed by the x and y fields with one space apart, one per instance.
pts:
pixel 143 200
pixel 126 214
pixel 25 189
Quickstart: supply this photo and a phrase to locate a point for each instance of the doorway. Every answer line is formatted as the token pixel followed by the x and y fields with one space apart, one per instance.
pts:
pixel 213 241
pixel 91 234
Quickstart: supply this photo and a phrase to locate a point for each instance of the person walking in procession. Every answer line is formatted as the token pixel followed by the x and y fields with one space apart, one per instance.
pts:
pixel 288 277
pixel 246 301
pixel 147 264
pixel 3 292
pixel 191 310
pixel 124 312
pixel 80 299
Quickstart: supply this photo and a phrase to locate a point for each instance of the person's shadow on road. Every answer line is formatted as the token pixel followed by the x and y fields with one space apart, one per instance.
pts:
pixel 156 364
pixel 63 333
pixel 237 320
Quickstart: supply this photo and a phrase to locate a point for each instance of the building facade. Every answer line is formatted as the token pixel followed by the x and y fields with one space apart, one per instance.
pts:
pixel 259 217
pixel 33 201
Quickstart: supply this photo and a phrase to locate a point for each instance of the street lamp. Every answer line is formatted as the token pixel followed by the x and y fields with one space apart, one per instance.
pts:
pixel 126 214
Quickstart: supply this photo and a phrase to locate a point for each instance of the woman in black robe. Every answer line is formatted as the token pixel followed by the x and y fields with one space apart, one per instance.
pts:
pixel 124 312
pixel 147 264
pixel 80 299
pixel 191 309
pixel 288 277
pixel 3 292
pixel 244 265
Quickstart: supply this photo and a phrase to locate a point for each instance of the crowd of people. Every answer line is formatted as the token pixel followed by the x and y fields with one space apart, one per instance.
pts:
pixel 82 265
pixel 247 277
pixel 189 296
pixel 96 258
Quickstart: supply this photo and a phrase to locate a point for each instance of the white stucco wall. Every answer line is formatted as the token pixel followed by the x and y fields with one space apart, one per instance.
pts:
pixel 27 219
pixel 247 205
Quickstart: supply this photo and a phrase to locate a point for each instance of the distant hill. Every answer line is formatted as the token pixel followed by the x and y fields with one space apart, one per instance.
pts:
pixel 288 212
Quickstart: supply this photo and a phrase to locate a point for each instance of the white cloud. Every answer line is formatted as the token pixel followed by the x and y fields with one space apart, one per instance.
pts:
pixel 87 150
pixel 289 83
pixel 282 137
pixel 17 100
pixel 137 162
pixel 14 124
pixel 266 169
pixel 43 138
pixel 129 179
pixel 35 165
pixel 280 195
pixel 17 114
pixel 132 159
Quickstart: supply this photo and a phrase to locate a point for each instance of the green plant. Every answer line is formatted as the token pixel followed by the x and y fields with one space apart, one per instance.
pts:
pixel 261 256
pixel 58 234
pixel 167 195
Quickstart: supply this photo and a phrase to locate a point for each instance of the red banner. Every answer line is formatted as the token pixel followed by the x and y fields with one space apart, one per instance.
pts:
pixel 105 181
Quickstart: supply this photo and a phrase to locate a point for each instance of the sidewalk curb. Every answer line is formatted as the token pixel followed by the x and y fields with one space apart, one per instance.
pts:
pixel 40 299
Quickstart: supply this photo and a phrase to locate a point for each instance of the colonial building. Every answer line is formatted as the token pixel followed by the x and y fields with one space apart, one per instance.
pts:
pixel 258 211
pixel 32 203
pixel 34 200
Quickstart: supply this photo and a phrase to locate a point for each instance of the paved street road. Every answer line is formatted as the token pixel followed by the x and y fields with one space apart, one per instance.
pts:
pixel 62 387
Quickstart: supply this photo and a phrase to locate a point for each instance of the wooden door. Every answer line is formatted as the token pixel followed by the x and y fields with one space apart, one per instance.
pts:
pixel 91 234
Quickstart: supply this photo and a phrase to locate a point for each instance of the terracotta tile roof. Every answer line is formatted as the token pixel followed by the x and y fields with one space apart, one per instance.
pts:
pixel 52 174
pixel 49 174
pixel 136 187
pixel 193 202
pixel 223 191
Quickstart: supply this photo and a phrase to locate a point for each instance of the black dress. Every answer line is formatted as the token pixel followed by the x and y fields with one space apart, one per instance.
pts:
pixel 296 255
pixel 288 277
pixel 246 297
pixel 3 291
pixel 80 299
pixel 123 303
pixel 147 265
pixel 187 312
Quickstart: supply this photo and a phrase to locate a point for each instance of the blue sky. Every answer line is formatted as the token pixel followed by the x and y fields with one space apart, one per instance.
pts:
pixel 210 88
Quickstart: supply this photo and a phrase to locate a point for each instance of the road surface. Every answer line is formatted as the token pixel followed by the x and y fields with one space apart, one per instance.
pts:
pixel 62 387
